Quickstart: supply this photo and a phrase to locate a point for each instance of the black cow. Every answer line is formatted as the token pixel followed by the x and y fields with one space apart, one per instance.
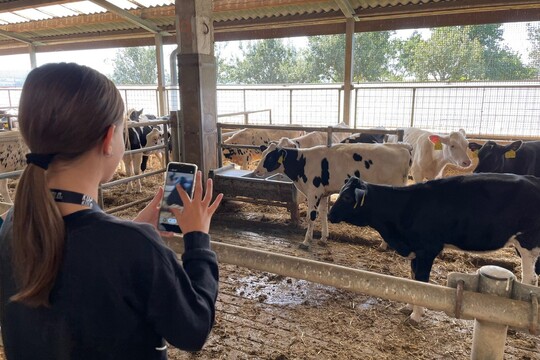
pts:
pixel 479 212
pixel 365 139
pixel 522 158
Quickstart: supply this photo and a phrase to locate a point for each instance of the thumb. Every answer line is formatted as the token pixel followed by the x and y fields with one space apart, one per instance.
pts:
pixel 157 198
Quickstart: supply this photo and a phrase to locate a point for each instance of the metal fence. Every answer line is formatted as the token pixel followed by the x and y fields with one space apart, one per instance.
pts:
pixel 503 109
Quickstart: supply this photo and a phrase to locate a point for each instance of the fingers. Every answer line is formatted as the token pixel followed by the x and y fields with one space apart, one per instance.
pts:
pixel 157 198
pixel 197 194
pixel 212 208
pixel 183 195
pixel 208 193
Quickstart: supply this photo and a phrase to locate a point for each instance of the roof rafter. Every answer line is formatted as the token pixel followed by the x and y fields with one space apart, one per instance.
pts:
pixel 29 4
pixel 145 24
pixel 347 9
pixel 18 37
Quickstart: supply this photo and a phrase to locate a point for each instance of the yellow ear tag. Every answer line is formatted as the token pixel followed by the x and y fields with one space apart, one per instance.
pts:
pixel 361 201
pixel 475 153
pixel 438 145
pixel 511 154
pixel 280 160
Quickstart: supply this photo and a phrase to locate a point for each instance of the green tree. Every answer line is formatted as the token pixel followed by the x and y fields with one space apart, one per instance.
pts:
pixel 264 62
pixel 448 55
pixel 533 32
pixel 500 63
pixel 373 52
pixel 135 66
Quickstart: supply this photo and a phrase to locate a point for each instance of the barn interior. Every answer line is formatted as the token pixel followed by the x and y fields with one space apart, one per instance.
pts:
pixel 261 314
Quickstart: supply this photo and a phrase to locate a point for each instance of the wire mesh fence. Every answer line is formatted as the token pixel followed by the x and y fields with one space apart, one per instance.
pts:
pixel 498 108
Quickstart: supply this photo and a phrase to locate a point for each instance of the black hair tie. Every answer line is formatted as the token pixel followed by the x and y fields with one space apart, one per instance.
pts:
pixel 41 160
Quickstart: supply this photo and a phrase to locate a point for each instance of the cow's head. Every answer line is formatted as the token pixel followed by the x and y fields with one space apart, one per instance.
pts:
pixel 272 160
pixel 350 202
pixel 154 137
pixel 285 142
pixel 454 147
pixel 134 115
pixel 492 156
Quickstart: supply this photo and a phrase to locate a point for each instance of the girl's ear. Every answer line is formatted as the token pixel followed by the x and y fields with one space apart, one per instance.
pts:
pixel 107 141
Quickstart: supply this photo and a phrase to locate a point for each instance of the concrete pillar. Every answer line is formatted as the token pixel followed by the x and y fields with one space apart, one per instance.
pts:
pixel 197 74
pixel 32 52
pixel 162 101
pixel 489 338
pixel 348 76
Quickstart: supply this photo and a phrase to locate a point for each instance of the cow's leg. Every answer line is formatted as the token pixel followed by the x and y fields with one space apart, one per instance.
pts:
pixel 311 216
pixel 529 259
pixel 323 214
pixel 4 191
pixel 128 163
pixel 137 161
pixel 420 267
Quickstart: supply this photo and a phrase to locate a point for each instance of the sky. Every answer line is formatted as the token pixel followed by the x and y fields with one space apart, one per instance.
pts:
pixel 515 36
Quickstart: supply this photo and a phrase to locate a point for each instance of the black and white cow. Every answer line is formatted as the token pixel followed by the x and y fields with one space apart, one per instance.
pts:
pixel 139 138
pixel 321 171
pixel 365 139
pixel 138 116
pixel 522 158
pixel 479 212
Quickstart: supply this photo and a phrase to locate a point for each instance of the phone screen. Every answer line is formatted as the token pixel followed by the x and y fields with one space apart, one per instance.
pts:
pixel 177 173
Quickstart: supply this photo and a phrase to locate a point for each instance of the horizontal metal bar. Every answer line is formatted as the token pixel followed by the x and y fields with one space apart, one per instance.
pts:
pixel 243 113
pixel 11 174
pixel 145 149
pixel 484 307
pixel 131 178
pixel 135 124
pixel 128 205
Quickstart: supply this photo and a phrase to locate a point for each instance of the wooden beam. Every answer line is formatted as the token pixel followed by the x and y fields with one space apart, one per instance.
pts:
pixel 17 37
pixel 347 9
pixel 145 24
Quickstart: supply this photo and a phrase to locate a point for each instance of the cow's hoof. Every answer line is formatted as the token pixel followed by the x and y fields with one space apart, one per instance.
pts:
pixel 322 243
pixel 411 322
pixel 406 310
pixel 381 249
pixel 303 246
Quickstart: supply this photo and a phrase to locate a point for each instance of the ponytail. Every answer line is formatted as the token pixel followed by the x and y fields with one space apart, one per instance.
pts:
pixel 39 236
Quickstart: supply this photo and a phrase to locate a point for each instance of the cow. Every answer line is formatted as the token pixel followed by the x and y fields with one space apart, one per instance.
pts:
pixel 313 138
pixel 250 136
pixel 12 157
pixel 321 171
pixel 138 138
pixel 138 116
pixel 364 139
pixel 478 212
pixel 522 158
pixel 431 152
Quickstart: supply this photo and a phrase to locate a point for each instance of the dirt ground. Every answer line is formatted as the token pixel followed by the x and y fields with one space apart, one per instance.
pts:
pixel 266 316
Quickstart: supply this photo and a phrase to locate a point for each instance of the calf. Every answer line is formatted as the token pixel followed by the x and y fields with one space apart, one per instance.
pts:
pixel 479 212
pixel 314 138
pixel 139 138
pixel 256 137
pixel 321 171
pixel 12 158
pixel 522 158
pixel 431 152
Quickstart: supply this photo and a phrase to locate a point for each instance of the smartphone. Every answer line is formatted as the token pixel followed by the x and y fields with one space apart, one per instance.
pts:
pixel 177 173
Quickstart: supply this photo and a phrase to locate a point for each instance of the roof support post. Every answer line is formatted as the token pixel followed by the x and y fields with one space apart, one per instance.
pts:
pixel 162 101
pixel 32 53
pixel 197 71
pixel 348 76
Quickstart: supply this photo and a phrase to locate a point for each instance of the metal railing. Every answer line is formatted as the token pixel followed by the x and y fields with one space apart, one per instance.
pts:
pixel 492 297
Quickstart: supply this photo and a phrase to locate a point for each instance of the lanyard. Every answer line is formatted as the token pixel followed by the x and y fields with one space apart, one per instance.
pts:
pixel 71 197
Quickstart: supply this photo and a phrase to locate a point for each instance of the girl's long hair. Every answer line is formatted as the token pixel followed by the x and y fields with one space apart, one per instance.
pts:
pixel 66 110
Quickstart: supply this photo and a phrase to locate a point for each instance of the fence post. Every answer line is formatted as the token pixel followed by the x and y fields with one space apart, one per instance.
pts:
pixel 412 105
pixel 290 106
pixel 489 338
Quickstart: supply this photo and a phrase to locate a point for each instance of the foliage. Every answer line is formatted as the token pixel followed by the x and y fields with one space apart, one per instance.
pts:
pixel 135 66
pixel 533 32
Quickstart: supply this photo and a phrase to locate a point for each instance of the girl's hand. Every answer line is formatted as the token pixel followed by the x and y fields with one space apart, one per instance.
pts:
pixel 197 212
pixel 150 213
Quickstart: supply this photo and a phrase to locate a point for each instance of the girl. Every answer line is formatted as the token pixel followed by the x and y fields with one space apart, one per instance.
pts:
pixel 76 283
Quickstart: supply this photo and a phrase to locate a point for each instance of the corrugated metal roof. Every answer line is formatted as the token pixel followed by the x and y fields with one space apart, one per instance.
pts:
pixel 70 21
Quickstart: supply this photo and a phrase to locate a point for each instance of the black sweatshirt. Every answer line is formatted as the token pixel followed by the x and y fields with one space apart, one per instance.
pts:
pixel 119 294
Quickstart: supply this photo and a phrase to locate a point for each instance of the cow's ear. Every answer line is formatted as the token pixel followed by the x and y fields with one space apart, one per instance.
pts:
pixel 282 155
pixel 474 146
pixel 515 146
pixel 359 196
pixel 462 132
pixel 263 147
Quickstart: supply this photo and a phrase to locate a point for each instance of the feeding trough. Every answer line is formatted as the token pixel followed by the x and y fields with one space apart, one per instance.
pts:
pixel 243 185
